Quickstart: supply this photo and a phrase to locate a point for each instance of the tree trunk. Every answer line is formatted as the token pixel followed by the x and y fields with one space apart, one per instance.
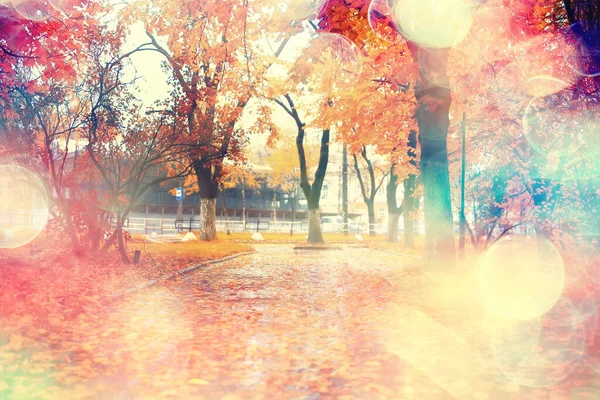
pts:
pixel 368 195
pixel 439 236
pixel 409 206
pixel 208 190
pixel 109 242
pixel 294 201
pixel 244 203
pixel 314 226
pixel 345 188
pixel 311 192
pixel 392 232
pixel 226 212
pixel 274 206
pixel 432 115
pixel 409 201
pixel 208 218
pixel 76 246
pixel 121 244
pixel 582 15
pixel 371 212
pixel 393 210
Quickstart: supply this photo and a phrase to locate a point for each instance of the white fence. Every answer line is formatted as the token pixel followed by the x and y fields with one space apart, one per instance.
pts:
pixel 36 219
pixel 171 226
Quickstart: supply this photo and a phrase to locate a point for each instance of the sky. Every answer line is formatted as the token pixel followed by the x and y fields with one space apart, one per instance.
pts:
pixel 153 86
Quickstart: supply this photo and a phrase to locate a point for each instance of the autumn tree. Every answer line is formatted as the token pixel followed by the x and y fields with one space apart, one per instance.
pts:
pixel 85 134
pixel 44 111
pixel 42 136
pixel 285 173
pixel 310 90
pixel 240 175
pixel 407 174
pixel 37 35
pixel 131 159
pixel 210 53
pixel 380 111
pixel 312 192
pixel 433 98
pixel 370 183
pixel 584 20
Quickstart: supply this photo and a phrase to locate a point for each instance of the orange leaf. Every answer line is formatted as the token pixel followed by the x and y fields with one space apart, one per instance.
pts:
pixel 197 381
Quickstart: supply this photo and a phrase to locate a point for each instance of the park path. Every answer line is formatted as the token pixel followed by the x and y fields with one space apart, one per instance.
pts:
pixel 285 324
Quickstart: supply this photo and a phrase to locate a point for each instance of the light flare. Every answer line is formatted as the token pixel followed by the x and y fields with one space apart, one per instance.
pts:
pixel 434 23
pixel 520 279
pixel 33 10
pixel 23 206
pixel 381 21
pixel 555 125
pixel 540 352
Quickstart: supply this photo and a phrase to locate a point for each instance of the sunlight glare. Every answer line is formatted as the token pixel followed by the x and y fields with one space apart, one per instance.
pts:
pixel 434 23
pixel 579 56
pixel 330 64
pixel 521 279
pixel 438 352
pixel 23 206
pixel 545 85
pixel 33 10
pixel 555 125
pixel 540 352
pixel 381 21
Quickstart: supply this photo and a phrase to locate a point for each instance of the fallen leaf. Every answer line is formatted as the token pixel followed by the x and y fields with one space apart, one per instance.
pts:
pixel 197 381
pixel 16 341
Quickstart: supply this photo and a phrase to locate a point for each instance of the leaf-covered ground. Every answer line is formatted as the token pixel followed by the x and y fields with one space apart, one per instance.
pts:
pixel 350 323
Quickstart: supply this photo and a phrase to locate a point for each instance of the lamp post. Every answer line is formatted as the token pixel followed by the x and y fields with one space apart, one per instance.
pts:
pixel 462 219
pixel 345 188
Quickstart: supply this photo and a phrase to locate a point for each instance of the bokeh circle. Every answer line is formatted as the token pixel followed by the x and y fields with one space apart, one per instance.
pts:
pixel 521 279
pixel 24 206
pixel 434 24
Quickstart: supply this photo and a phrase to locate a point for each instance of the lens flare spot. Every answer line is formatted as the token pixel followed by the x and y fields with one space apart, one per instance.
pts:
pixel 33 10
pixel 295 10
pixel 446 357
pixel 556 125
pixel 586 304
pixel 506 86
pixel 593 267
pixel 23 206
pixel 521 279
pixel 382 22
pixel 436 23
pixel 330 64
pixel 513 343
pixel 584 393
pixel 67 7
pixel 540 352
pixel 429 61
pixel 579 55
pixel 545 85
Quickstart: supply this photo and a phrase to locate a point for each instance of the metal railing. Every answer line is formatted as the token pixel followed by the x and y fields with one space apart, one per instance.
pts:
pixel 174 226
pixel 170 225
pixel 10 220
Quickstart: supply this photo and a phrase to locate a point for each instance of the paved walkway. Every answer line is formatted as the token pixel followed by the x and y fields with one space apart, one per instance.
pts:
pixel 350 323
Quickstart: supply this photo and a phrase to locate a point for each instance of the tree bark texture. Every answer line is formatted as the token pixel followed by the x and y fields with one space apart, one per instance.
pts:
pixel 434 99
